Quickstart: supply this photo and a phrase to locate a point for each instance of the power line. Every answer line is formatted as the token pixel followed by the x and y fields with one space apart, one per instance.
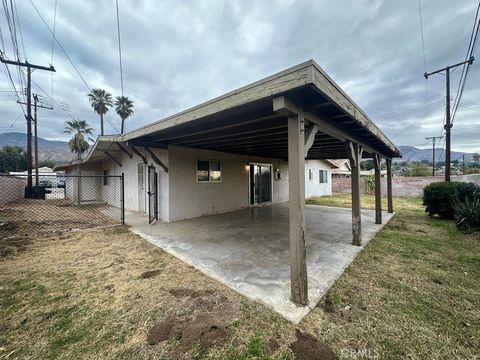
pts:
pixel 68 57
pixel 466 66
pixel 60 45
pixel 421 31
pixel 53 38
pixel 119 47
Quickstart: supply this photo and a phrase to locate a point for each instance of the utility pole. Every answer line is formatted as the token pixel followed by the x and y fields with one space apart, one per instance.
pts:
pixel 35 122
pixel 448 124
pixel 463 164
pixel 29 67
pixel 433 138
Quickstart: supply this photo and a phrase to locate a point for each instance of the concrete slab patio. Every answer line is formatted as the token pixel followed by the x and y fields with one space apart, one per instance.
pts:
pixel 248 249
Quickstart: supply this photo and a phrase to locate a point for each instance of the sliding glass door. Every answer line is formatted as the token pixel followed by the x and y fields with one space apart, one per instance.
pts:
pixel 260 184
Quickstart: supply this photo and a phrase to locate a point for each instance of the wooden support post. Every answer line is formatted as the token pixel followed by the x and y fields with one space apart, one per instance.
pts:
pixel 296 191
pixel 355 155
pixel 377 163
pixel 79 185
pixel 389 186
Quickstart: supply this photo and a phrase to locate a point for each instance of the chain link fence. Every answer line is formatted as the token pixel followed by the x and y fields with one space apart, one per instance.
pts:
pixel 59 203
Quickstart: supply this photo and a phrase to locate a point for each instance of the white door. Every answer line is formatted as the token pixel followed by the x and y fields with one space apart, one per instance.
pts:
pixel 141 186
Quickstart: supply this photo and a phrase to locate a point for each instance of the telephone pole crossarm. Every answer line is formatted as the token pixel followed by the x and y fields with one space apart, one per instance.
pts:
pixel 26 64
pixel 448 120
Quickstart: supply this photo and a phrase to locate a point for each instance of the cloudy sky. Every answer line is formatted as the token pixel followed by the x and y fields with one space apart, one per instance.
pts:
pixel 177 54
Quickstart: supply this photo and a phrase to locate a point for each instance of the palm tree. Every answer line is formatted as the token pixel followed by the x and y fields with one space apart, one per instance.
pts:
pixel 124 108
pixel 80 130
pixel 101 101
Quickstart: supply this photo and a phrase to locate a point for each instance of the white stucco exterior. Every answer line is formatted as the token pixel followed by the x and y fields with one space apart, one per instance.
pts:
pixel 180 195
pixel 313 186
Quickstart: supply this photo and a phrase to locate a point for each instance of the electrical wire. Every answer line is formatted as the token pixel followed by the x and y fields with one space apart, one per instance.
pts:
pixel 68 58
pixel 119 46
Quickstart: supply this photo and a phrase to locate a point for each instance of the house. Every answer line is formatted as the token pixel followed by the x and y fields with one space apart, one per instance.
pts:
pixel 260 144
pixel 318 177
pixel 46 176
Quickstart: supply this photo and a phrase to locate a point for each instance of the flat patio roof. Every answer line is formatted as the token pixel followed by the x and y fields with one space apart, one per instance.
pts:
pixel 245 120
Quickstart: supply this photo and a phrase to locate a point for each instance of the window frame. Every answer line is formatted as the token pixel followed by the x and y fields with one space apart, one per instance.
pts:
pixel 323 177
pixel 209 172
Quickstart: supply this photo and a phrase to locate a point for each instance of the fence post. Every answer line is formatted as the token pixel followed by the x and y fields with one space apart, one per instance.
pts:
pixel 123 198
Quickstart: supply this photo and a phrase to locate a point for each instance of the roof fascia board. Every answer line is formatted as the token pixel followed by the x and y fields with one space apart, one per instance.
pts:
pixel 288 79
pixel 330 89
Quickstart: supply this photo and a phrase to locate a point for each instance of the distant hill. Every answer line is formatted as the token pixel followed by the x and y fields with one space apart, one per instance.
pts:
pixel 411 153
pixel 47 149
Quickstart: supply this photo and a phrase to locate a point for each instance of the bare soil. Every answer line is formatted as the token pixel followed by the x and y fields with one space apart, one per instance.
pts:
pixel 307 347
pixel 22 220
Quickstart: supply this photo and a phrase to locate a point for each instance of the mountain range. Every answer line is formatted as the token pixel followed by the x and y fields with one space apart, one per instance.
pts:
pixel 54 150
pixel 58 150
pixel 411 153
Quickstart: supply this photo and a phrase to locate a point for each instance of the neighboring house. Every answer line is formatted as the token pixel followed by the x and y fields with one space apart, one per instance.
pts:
pixel 226 154
pixel 46 176
pixel 318 177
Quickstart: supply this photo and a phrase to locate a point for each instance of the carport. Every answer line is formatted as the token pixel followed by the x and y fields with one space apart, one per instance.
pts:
pixel 297 114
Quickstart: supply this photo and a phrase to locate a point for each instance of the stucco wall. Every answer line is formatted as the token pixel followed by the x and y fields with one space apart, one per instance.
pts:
pixel 130 169
pixel 313 187
pixel 11 189
pixel 189 198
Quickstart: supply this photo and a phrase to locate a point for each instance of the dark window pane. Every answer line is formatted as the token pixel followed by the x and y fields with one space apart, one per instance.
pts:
pixel 202 170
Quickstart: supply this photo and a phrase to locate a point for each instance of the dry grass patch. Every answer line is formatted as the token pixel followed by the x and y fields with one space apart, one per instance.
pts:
pixel 413 293
pixel 98 294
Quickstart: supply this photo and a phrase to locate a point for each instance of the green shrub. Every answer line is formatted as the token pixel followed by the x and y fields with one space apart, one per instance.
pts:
pixel 467 213
pixel 439 198
pixel 369 184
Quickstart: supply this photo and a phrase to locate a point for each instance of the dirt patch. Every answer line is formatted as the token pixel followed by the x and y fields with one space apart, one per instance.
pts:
pixel 306 347
pixel 165 330
pixel 10 245
pixel 185 292
pixel 31 216
pixel 273 345
pixel 206 330
pixel 149 274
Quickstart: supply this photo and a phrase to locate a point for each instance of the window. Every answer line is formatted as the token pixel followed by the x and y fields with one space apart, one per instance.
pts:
pixel 310 174
pixel 323 176
pixel 208 171
pixel 106 177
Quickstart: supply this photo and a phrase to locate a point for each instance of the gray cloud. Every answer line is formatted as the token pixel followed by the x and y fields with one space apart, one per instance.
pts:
pixel 178 54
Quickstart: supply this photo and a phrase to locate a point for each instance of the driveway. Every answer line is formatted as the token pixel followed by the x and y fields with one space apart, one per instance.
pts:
pixel 248 249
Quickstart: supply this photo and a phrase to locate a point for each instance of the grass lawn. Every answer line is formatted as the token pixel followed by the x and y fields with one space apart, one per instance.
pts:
pixel 414 292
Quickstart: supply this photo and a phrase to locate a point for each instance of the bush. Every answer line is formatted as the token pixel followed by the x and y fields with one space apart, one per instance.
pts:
pixel 439 198
pixel 369 184
pixel 467 213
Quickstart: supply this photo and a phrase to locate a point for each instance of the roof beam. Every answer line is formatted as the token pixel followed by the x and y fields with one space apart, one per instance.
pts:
pixel 120 146
pixel 237 137
pixel 149 144
pixel 113 159
pixel 285 107
pixel 134 149
pixel 229 126
pixel 156 159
